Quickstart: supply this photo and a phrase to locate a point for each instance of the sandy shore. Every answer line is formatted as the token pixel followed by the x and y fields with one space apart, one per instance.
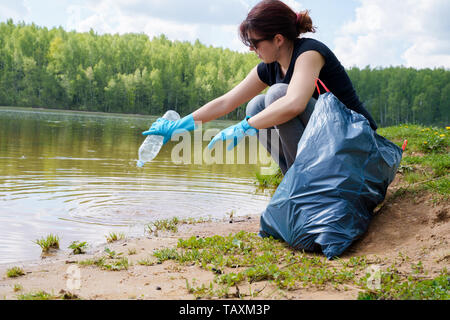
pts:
pixel 166 281
pixel 159 281
pixel 415 228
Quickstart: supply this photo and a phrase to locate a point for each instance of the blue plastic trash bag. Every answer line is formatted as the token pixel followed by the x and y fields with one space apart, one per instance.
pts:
pixel 341 173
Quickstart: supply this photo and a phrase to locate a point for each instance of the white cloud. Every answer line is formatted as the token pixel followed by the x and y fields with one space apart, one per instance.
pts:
pixel 195 11
pixel 414 33
pixel 213 22
pixel 17 10
pixel 428 53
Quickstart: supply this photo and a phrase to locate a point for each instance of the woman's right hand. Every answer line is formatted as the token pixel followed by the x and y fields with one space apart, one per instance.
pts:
pixel 167 128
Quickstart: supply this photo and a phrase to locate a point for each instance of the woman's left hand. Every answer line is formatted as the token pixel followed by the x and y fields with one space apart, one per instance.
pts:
pixel 236 132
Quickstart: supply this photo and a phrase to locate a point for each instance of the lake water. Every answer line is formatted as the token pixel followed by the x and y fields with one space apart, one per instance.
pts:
pixel 74 174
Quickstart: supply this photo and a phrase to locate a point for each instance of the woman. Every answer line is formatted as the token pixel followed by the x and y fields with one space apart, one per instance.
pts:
pixel 290 66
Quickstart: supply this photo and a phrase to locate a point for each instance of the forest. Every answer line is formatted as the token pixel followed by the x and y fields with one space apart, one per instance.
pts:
pixel 130 73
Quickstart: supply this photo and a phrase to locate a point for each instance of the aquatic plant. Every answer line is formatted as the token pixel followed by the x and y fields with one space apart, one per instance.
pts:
pixel 49 242
pixel 78 247
pixel 113 237
pixel 14 272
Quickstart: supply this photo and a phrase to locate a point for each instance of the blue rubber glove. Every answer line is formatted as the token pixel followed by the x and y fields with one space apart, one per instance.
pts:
pixel 168 128
pixel 236 132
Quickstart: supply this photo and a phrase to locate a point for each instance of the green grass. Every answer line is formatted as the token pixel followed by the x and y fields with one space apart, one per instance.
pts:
pixel 99 262
pixel 420 138
pixel 172 224
pixel 113 237
pixel 39 295
pixel 243 259
pixel 48 243
pixel 146 262
pixel 257 259
pixel 14 272
pixel 111 261
pixel 18 287
pixel 43 295
pixel 395 287
pixel 269 181
pixel 164 225
pixel 117 265
pixel 78 247
pixel 112 254
pixel 107 264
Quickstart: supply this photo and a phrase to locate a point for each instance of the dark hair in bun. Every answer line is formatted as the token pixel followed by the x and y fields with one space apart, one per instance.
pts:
pixel 271 17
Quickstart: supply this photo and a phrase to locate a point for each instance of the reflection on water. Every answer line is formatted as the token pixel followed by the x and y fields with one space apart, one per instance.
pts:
pixel 74 174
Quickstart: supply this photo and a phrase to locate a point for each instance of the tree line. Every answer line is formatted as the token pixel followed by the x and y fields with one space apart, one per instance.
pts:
pixel 131 73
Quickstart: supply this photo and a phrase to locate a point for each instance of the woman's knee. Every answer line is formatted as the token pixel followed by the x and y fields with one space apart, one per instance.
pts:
pixel 255 106
pixel 275 92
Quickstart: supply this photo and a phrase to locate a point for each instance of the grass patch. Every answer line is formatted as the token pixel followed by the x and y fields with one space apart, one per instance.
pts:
pixel 112 261
pixel 107 264
pixel 438 165
pixel 40 295
pixel 48 243
pixel 99 262
pixel 426 163
pixel 271 180
pixel 172 224
pixel 18 287
pixel 14 272
pixel 78 247
pixel 420 138
pixel 43 295
pixel 257 259
pixel 164 225
pixel 394 287
pixel 146 262
pixel 242 259
pixel 414 177
pixel 117 265
pixel 113 237
pixel 112 254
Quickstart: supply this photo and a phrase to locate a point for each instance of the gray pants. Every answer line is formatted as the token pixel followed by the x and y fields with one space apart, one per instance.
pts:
pixel 281 140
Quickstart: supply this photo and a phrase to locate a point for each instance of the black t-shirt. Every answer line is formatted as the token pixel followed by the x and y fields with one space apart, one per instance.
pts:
pixel 333 75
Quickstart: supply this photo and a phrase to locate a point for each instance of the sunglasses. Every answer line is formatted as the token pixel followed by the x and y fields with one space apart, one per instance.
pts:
pixel 253 43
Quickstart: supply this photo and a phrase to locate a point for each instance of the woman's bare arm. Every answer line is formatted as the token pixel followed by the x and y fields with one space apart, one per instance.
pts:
pixel 243 92
pixel 300 90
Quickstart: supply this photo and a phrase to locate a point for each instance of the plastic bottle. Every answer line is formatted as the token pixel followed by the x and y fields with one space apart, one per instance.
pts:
pixel 153 143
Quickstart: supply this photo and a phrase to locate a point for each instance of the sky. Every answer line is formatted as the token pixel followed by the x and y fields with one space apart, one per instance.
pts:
pixel 375 33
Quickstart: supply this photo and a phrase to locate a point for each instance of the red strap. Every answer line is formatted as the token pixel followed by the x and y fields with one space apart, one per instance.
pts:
pixel 323 85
